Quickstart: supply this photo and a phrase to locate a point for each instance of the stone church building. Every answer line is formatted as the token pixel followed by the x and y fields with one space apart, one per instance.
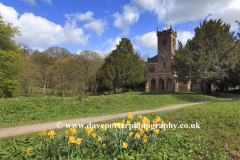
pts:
pixel 159 76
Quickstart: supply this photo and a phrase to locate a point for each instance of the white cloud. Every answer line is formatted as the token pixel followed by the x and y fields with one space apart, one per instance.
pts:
pixel 79 51
pixel 106 11
pixel 129 17
pixel 98 26
pixel 148 40
pixel 31 2
pixel 183 36
pixel 88 16
pixel 186 10
pixel 48 1
pixel 111 44
pixel 38 32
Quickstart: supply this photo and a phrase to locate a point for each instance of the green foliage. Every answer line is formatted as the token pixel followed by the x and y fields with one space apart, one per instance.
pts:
pixel 92 62
pixel 10 59
pixel 209 55
pixel 79 97
pixel 123 68
pixel 7 31
pixel 11 65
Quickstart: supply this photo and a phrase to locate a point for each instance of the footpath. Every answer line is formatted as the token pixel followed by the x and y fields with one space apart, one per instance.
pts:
pixel 32 128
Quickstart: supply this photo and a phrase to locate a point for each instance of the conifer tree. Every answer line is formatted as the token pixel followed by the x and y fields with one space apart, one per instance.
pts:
pixel 123 68
pixel 212 53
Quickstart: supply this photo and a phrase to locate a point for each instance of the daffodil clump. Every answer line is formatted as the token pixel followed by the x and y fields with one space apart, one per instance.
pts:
pixel 107 142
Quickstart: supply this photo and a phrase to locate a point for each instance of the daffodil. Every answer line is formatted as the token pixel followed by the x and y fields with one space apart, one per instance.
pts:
pixel 145 139
pixel 128 122
pixel 130 116
pixel 78 141
pixel 141 131
pixel 28 150
pixel 162 124
pixel 100 139
pixel 156 131
pixel 137 135
pixel 94 135
pixel 102 128
pixel 103 144
pixel 73 131
pixel 125 145
pixel 71 140
pixel 146 129
pixel 51 133
pixel 130 134
pixel 42 133
pixel 139 116
pixel 123 121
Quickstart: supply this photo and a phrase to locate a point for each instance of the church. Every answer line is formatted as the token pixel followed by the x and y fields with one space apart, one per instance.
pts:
pixel 159 76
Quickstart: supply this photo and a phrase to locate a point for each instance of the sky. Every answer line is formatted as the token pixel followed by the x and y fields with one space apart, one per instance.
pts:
pixel 99 25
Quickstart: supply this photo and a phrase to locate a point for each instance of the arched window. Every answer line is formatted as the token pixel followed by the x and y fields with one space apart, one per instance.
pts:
pixel 164 41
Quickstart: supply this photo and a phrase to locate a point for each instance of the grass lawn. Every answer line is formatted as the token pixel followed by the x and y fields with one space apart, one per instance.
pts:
pixel 217 138
pixel 29 110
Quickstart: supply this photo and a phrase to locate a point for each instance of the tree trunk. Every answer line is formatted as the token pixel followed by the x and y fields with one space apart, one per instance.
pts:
pixel 209 87
pixel 115 90
pixel 45 81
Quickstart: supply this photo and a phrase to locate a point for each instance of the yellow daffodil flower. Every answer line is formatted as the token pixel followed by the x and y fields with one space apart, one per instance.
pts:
pixel 100 139
pixel 71 140
pixel 42 133
pixel 94 135
pixel 125 145
pixel 145 139
pixel 130 116
pixel 156 131
pixel 51 133
pixel 78 141
pixel 28 150
pixel 130 134
pixel 137 135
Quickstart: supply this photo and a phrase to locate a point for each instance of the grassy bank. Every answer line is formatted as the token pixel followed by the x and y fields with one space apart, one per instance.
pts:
pixel 217 137
pixel 28 110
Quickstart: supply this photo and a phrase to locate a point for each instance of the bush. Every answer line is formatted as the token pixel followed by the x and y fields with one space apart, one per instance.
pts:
pixel 83 97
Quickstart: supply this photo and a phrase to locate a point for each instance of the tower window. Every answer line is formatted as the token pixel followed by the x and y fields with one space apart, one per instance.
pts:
pixel 164 64
pixel 152 69
pixel 164 41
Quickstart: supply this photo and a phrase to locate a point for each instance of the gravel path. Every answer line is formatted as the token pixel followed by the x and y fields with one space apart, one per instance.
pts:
pixel 32 128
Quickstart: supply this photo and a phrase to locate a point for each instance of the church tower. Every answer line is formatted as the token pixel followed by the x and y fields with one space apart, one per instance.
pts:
pixel 159 76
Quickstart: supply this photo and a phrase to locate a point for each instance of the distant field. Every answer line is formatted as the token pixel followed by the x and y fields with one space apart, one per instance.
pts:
pixel 28 110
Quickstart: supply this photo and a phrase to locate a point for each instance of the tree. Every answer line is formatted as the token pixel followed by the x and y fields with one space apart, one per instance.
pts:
pixel 11 65
pixel 30 77
pixel 123 68
pixel 44 62
pixel 67 75
pixel 10 59
pixel 58 53
pixel 7 32
pixel 213 51
pixel 92 62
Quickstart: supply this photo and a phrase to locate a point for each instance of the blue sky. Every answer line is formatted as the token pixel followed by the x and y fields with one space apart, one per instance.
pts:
pixel 99 25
